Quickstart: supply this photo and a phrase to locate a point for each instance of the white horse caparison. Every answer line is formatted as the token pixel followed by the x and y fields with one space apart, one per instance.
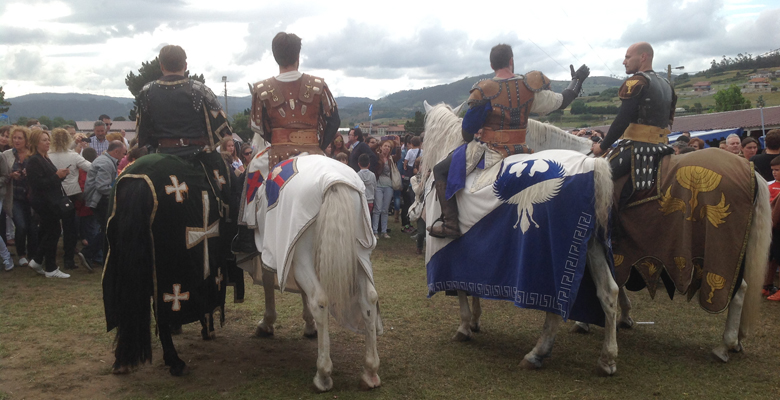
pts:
pixel 326 268
pixel 443 134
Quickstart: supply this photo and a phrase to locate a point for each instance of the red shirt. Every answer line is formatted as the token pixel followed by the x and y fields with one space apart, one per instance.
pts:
pixel 774 189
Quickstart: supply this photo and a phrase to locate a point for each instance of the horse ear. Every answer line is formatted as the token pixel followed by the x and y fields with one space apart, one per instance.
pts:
pixel 457 109
pixel 427 106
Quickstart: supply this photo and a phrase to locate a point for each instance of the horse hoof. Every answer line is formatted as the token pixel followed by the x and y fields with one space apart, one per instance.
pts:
pixel 721 353
pixel 626 324
pixel 260 331
pixel 736 348
pixel 310 335
pixel 180 370
pixel 120 370
pixel 580 328
pixel 476 328
pixel 530 365
pixel 368 382
pixel 461 337
pixel 606 369
pixel 322 385
pixel 208 335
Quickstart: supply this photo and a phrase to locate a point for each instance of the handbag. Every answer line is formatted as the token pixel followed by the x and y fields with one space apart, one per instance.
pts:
pixel 395 176
pixel 64 205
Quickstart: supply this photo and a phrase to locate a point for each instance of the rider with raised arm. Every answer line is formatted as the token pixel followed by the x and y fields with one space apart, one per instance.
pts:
pixel 497 118
pixel 646 113
pixel 295 112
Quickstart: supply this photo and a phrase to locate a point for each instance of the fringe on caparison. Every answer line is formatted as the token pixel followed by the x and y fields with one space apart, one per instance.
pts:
pixel 756 257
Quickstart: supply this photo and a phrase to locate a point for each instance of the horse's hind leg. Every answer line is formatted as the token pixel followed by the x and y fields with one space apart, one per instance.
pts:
pixel 309 328
pixel 607 291
pixel 464 330
pixel 476 313
pixel 171 358
pixel 625 321
pixel 306 278
pixel 543 348
pixel 368 307
pixel 731 333
pixel 265 327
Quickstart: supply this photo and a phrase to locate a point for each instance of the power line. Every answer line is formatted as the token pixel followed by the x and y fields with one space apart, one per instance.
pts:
pixel 572 54
pixel 550 57
pixel 586 42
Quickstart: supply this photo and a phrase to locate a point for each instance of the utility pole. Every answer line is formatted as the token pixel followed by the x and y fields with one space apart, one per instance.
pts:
pixel 669 73
pixel 224 79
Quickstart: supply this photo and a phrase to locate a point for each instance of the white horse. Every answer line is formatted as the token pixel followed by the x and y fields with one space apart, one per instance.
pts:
pixel 743 310
pixel 443 134
pixel 328 261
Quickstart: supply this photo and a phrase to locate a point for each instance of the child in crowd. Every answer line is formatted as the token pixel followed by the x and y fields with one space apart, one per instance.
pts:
pixel 770 289
pixel 774 186
pixel 343 158
pixel 411 155
pixel 87 224
pixel 369 179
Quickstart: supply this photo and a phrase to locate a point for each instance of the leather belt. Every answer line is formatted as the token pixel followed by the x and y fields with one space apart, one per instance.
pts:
pixel 646 133
pixel 503 137
pixel 294 136
pixel 170 142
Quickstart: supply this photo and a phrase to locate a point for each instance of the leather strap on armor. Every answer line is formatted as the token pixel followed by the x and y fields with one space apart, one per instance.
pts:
pixel 506 142
pixel 281 136
pixel 646 133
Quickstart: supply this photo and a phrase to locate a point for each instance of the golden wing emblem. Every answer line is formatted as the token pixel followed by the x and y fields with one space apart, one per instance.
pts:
pixel 670 204
pixel 716 214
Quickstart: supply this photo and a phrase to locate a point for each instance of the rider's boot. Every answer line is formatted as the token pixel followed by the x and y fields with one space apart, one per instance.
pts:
pixel 449 227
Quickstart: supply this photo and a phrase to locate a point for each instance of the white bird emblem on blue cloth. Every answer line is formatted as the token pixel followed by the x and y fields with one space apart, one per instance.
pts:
pixel 527 183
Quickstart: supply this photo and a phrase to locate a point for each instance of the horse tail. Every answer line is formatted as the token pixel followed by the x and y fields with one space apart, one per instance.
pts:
pixel 131 261
pixel 337 260
pixel 603 186
pixel 756 256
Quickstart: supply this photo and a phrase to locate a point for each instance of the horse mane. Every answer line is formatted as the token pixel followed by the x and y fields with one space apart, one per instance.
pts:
pixel 542 136
pixel 442 135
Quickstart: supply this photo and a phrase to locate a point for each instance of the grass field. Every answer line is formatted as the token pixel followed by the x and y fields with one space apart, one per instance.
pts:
pixel 53 345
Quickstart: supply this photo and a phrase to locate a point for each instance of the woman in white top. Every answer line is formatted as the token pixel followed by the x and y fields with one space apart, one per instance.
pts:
pixel 63 157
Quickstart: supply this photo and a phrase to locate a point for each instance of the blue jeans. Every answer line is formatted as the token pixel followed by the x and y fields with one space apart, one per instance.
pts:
pixel 26 229
pixel 382 198
pixel 4 253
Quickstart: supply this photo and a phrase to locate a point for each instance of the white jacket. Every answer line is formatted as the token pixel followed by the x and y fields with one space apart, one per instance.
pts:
pixel 73 161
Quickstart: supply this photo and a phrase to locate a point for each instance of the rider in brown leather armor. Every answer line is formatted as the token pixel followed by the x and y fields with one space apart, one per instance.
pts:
pixel 646 113
pixel 498 112
pixel 294 112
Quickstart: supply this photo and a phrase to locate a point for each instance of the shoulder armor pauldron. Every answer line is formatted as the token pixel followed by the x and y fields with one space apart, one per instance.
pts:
pixel 311 87
pixel 535 81
pixel 633 85
pixel 268 92
pixel 488 88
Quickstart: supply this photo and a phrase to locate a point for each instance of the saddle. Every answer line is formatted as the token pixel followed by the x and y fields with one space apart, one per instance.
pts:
pixel 689 229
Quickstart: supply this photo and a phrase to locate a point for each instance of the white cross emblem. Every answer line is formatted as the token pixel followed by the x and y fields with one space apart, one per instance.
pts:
pixel 197 235
pixel 220 179
pixel 219 279
pixel 178 188
pixel 176 297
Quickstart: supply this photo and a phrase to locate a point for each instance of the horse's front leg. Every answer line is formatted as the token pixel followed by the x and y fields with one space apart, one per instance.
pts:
pixel 543 348
pixel 171 358
pixel 265 327
pixel 607 292
pixel 207 327
pixel 464 330
pixel 368 306
pixel 731 333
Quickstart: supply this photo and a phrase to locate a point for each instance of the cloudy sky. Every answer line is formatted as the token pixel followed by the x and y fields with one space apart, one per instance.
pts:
pixel 363 48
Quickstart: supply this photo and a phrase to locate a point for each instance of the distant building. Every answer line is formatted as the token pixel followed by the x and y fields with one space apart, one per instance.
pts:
pixel 384 129
pixel 702 86
pixel 757 85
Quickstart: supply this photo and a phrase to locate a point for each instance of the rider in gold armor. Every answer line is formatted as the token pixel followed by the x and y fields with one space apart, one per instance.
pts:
pixel 498 116
pixel 294 112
